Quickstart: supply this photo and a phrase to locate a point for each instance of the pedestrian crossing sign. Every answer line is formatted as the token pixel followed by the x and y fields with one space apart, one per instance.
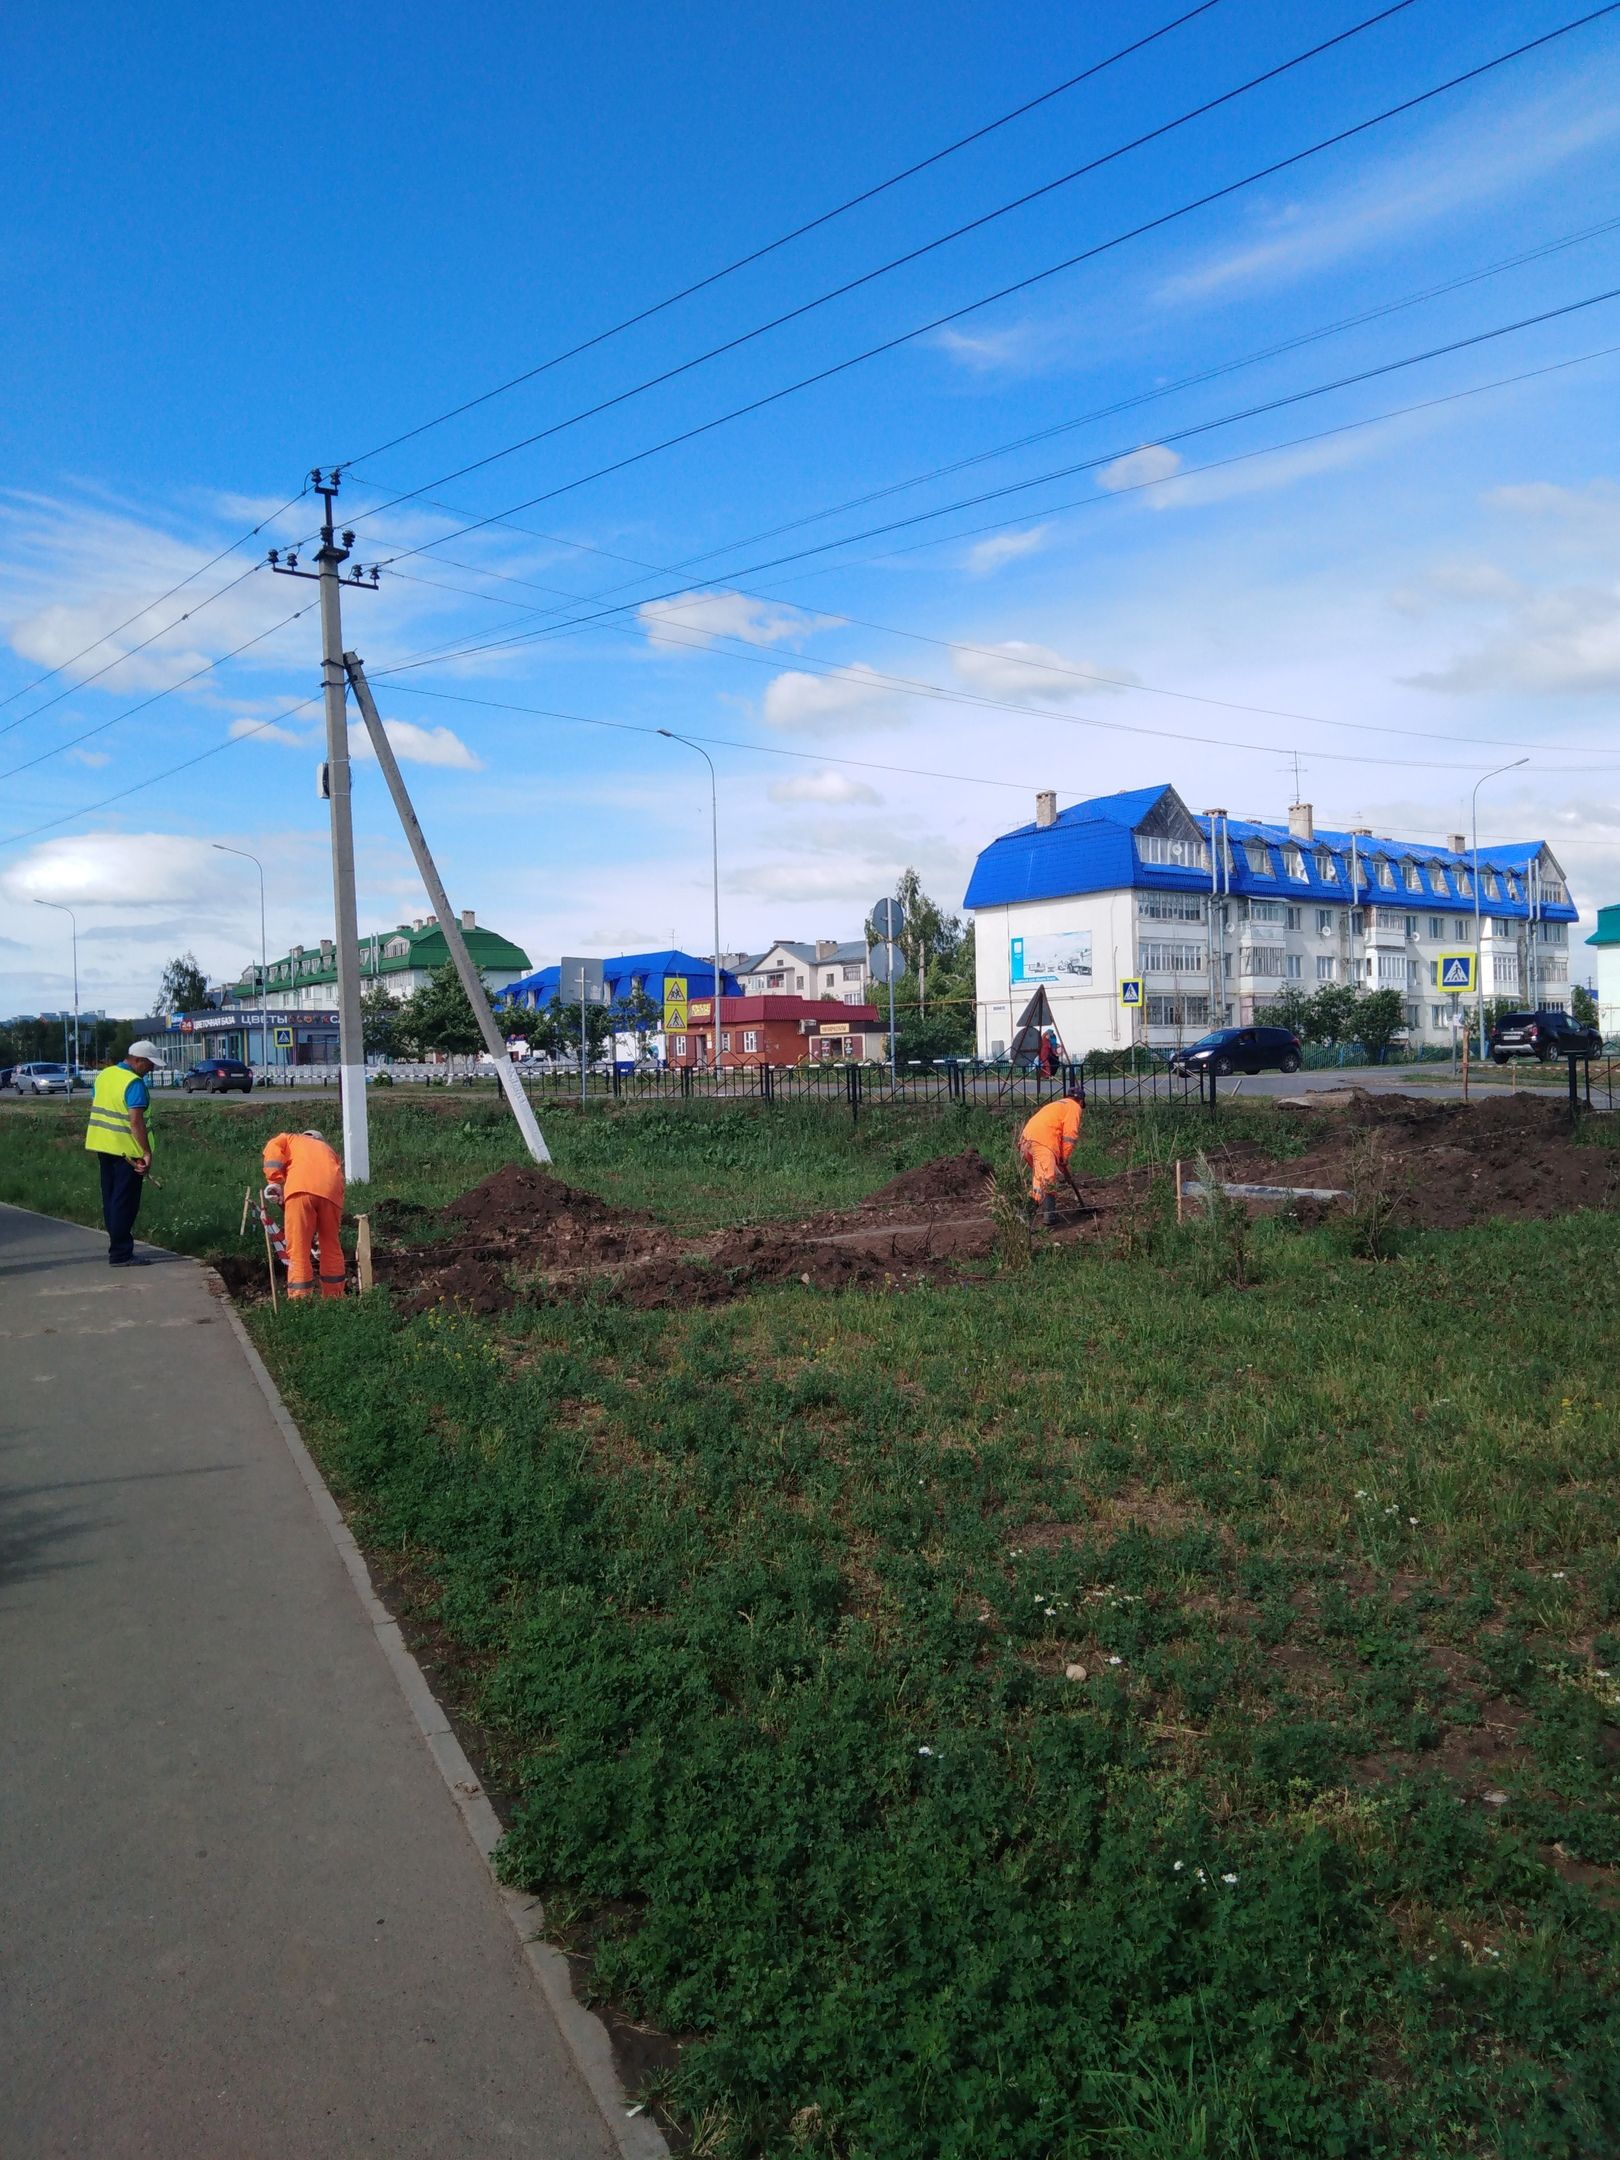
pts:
pixel 282 1038
pixel 675 1001
pixel 1130 991
pixel 1456 971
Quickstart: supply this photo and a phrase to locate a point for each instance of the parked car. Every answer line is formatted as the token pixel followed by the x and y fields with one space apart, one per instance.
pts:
pixel 1543 1034
pixel 41 1079
pixel 217 1076
pixel 1241 1050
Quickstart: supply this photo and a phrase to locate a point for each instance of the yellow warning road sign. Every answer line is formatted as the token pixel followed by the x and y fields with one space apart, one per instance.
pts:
pixel 675 1001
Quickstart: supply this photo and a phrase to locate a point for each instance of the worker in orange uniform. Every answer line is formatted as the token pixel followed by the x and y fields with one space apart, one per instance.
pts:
pixel 302 1171
pixel 1046 1143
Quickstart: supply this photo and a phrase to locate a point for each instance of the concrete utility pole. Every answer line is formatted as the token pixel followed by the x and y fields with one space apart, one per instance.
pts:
pixel 264 968
pixel 72 1062
pixel 471 981
pixel 669 735
pixel 351 1035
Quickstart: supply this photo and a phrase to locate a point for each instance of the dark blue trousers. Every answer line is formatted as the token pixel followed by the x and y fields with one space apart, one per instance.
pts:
pixel 120 1204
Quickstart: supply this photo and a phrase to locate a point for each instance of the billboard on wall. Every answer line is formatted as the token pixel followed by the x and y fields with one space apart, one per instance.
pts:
pixel 1053 956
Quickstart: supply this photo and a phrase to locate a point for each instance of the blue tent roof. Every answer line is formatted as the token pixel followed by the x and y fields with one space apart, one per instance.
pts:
pixel 1092 848
pixel 621 975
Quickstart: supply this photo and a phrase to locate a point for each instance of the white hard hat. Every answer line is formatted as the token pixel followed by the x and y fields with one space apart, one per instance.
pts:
pixel 145 1049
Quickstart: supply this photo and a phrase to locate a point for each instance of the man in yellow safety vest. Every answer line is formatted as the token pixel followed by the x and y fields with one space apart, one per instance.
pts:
pixel 120 1139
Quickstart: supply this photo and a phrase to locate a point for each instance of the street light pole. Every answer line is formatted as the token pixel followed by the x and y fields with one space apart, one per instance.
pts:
pixel 264 972
pixel 73 1064
pixel 1479 965
pixel 669 735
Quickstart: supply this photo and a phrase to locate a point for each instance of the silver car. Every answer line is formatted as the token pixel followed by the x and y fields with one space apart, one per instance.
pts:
pixel 42 1080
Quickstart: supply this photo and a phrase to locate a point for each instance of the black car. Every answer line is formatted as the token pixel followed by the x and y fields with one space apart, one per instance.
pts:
pixel 1545 1033
pixel 1241 1050
pixel 217 1076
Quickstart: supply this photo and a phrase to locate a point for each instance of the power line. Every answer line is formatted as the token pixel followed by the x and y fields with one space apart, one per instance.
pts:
pixel 84 681
pixel 837 292
pixel 972 307
pixel 798 232
pixel 130 711
pixel 136 787
pixel 1102 459
pixel 190 578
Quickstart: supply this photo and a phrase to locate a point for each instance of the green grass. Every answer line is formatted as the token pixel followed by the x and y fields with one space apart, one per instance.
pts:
pixel 770 1609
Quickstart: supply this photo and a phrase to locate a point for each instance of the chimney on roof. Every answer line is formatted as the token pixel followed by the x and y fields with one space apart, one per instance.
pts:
pixel 327 948
pixel 1458 843
pixel 418 922
pixel 1300 822
pixel 1046 807
pixel 469 921
pixel 826 947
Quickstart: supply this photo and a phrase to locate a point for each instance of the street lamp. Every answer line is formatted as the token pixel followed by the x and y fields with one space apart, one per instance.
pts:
pixel 669 735
pixel 264 972
pixel 1479 966
pixel 73 1062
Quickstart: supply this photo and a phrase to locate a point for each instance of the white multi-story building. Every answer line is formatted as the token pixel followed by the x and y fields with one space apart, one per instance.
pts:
pixel 1214 917
pixel 1606 938
pixel 822 970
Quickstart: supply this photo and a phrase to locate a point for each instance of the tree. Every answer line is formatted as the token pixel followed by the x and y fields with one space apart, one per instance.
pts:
pixel 1290 1009
pixel 633 1014
pixel 182 987
pixel 1331 1015
pixel 1583 1006
pixel 1380 1016
pixel 379 1021
pixel 438 1017
pixel 929 936
pixel 553 1029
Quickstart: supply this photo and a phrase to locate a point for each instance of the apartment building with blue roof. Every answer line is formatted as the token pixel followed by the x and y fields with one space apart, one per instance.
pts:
pixel 1216 916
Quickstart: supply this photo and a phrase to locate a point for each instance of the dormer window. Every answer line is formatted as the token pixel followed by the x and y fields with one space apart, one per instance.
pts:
pixel 1326 868
pixel 1259 856
pixel 1513 886
pixel 1493 890
pixel 1295 860
pixel 397 948
pixel 1386 873
pixel 1465 883
pixel 1414 879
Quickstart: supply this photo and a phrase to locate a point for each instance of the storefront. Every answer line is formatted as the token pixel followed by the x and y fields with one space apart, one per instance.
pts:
pixel 295 1038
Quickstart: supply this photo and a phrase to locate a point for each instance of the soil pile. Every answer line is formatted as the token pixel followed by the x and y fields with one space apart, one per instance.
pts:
pixel 952 1178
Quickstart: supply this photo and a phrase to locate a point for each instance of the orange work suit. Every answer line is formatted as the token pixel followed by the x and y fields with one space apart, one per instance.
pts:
pixel 1047 1141
pixel 310 1178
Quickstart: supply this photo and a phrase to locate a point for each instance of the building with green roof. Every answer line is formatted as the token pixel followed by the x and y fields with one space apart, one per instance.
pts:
pixel 401 960
pixel 1606 937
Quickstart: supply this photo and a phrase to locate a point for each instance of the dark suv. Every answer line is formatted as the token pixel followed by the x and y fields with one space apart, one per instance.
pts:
pixel 1241 1050
pixel 217 1076
pixel 1546 1033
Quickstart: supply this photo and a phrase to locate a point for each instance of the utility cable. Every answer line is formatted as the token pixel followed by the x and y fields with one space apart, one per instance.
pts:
pixel 73 659
pixel 130 711
pixel 867 277
pixel 771 247
pixel 1019 285
pixel 1102 459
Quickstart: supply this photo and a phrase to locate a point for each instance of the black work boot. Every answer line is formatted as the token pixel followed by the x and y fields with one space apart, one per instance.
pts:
pixel 1049 1210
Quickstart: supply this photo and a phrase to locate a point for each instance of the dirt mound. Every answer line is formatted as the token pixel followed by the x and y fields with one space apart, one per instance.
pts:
pixel 950 1179
pixel 518 1200
pixel 1536 1116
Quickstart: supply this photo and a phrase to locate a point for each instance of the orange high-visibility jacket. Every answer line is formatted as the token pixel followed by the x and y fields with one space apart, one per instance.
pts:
pixel 1055 1125
pixel 299 1164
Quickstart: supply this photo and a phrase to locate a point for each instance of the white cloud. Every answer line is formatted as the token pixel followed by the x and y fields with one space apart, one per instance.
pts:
pixel 1137 467
pixel 124 870
pixel 822 787
pixel 1027 674
pixel 77 756
pixel 987 555
pixel 415 745
pixel 696 619
pixel 266 731
pixel 1460 166
pixel 797 700
pixel 1562 641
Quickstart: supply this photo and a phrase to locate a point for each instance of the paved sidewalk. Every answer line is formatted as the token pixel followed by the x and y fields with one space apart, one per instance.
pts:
pixel 240 1914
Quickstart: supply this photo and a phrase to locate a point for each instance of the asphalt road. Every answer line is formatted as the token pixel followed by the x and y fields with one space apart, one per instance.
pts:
pixel 241 1916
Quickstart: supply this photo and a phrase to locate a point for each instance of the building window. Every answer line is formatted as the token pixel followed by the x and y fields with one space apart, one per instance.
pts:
pixel 1493 890
pixel 832 980
pixel 1295 861
pixel 725 1040
pixel 1161 957
pixel 1414 1016
pixel 1326 868
pixel 852 974
pixel 1386 874
pixel 1261 960
pixel 1326 921
pixel 750 1040
pixel 1170 907
pixel 680 1046
pixel 1414 877
pixel 1512 886
pixel 1271 911
pixel 1358 922
pixel 1296 966
pixel 798 982
pixel 1183 854
pixel 1259 857
pixel 1191 1012
pixel 1295 918
pixel 1437 926
pixel 1325 966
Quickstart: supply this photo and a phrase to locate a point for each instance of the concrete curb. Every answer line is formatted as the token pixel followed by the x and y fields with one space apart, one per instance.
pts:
pixel 636 2135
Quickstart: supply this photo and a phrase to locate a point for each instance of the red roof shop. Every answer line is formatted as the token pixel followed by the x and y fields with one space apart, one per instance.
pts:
pixel 777 1031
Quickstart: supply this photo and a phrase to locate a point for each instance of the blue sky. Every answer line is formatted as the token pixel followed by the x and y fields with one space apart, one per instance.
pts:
pixel 235 246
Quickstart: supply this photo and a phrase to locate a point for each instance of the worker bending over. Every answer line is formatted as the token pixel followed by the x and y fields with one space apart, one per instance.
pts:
pixel 302 1171
pixel 1046 1143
